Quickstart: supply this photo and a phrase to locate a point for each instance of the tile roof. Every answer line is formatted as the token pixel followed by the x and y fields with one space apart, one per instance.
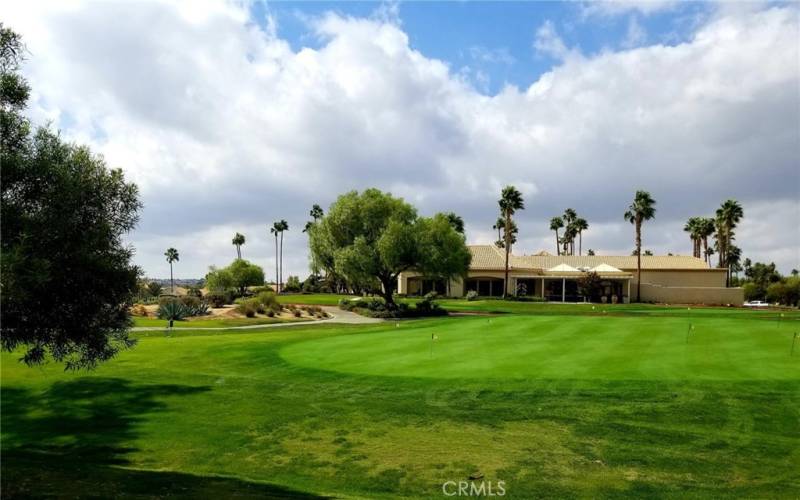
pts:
pixel 491 257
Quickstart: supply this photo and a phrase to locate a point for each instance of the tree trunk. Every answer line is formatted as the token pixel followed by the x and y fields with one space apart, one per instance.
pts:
pixel 388 291
pixel 580 242
pixel 508 250
pixel 238 252
pixel 281 275
pixel 277 279
pixel 705 248
pixel 171 281
pixel 638 260
pixel 558 247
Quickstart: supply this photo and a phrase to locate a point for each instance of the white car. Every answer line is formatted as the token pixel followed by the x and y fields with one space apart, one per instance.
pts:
pixel 756 303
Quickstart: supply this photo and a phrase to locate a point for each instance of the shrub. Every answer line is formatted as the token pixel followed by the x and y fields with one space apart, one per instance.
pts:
pixel 172 310
pixel 292 284
pixel 298 313
pixel 269 301
pixel 190 301
pixel 472 295
pixel 194 292
pixel 217 299
pixel 154 288
pixel 271 314
pixel 248 307
pixel 139 310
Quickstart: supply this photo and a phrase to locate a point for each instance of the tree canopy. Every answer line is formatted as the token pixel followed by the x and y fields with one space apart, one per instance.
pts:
pixel 239 275
pixel 371 237
pixel 67 277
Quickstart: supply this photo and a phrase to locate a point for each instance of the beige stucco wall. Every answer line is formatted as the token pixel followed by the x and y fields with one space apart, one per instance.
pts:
pixel 691 278
pixel 692 295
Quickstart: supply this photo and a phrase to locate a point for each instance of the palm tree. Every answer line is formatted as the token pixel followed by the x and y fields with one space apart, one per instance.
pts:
pixel 692 227
pixel 570 216
pixel 510 201
pixel 728 216
pixel 284 226
pixel 316 213
pixel 276 229
pixel 238 241
pixel 642 209
pixel 557 223
pixel 705 229
pixel 580 225
pixel 499 226
pixel 172 256
pixel 456 222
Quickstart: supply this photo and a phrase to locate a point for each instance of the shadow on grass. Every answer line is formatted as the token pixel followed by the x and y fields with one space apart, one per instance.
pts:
pixel 73 440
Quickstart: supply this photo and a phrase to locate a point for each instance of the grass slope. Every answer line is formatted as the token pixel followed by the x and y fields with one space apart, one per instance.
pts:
pixel 574 407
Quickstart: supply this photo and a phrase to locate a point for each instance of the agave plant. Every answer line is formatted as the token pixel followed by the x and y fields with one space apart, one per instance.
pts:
pixel 172 310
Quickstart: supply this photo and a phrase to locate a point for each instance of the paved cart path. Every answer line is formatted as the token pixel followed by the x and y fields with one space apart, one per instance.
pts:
pixel 336 316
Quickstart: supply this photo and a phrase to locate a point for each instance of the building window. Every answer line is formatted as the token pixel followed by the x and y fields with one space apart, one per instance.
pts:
pixel 486 287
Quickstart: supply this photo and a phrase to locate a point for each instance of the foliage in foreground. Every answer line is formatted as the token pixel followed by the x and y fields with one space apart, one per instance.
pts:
pixel 67 278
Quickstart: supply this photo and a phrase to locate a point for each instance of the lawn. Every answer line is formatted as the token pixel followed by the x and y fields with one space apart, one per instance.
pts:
pixel 554 405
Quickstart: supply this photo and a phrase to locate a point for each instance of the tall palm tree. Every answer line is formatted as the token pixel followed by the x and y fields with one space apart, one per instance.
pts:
pixel 692 227
pixel 510 201
pixel 276 229
pixel 705 229
pixel 499 226
pixel 316 213
pixel 580 225
pixel 570 215
pixel 642 209
pixel 172 256
pixel 284 226
pixel 557 223
pixel 728 216
pixel 238 241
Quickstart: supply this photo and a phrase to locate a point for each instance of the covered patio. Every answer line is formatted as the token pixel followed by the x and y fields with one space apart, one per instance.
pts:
pixel 562 284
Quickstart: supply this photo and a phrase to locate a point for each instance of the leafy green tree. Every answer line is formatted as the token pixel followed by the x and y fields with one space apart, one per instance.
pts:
pixel 219 279
pixel 237 241
pixel 293 284
pixel 172 256
pixel 557 223
pixel 642 209
pixel 239 275
pixel 372 237
pixel 510 202
pixel 245 274
pixel 66 275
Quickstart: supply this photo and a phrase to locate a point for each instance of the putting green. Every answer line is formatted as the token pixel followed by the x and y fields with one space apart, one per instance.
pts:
pixel 561 347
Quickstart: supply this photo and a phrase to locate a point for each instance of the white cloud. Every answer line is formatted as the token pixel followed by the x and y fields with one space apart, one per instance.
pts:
pixel 635 35
pixel 618 7
pixel 548 42
pixel 226 128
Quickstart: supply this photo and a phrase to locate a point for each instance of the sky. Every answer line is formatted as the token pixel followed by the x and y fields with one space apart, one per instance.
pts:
pixel 232 115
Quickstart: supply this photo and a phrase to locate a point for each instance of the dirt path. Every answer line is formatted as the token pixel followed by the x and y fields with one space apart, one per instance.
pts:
pixel 337 316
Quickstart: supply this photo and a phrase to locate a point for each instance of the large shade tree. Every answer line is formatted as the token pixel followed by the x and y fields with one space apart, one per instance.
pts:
pixel 510 202
pixel 66 275
pixel 642 209
pixel 373 237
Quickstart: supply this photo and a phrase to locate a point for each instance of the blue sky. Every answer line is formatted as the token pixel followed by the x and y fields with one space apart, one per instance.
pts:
pixel 497 38
pixel 231 114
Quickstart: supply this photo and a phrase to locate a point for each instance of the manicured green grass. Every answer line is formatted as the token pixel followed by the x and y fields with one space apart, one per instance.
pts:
pixel 313 299
pixel 555 406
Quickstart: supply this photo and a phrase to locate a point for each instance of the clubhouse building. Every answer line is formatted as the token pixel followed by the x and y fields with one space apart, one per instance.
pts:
pixel 675 279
